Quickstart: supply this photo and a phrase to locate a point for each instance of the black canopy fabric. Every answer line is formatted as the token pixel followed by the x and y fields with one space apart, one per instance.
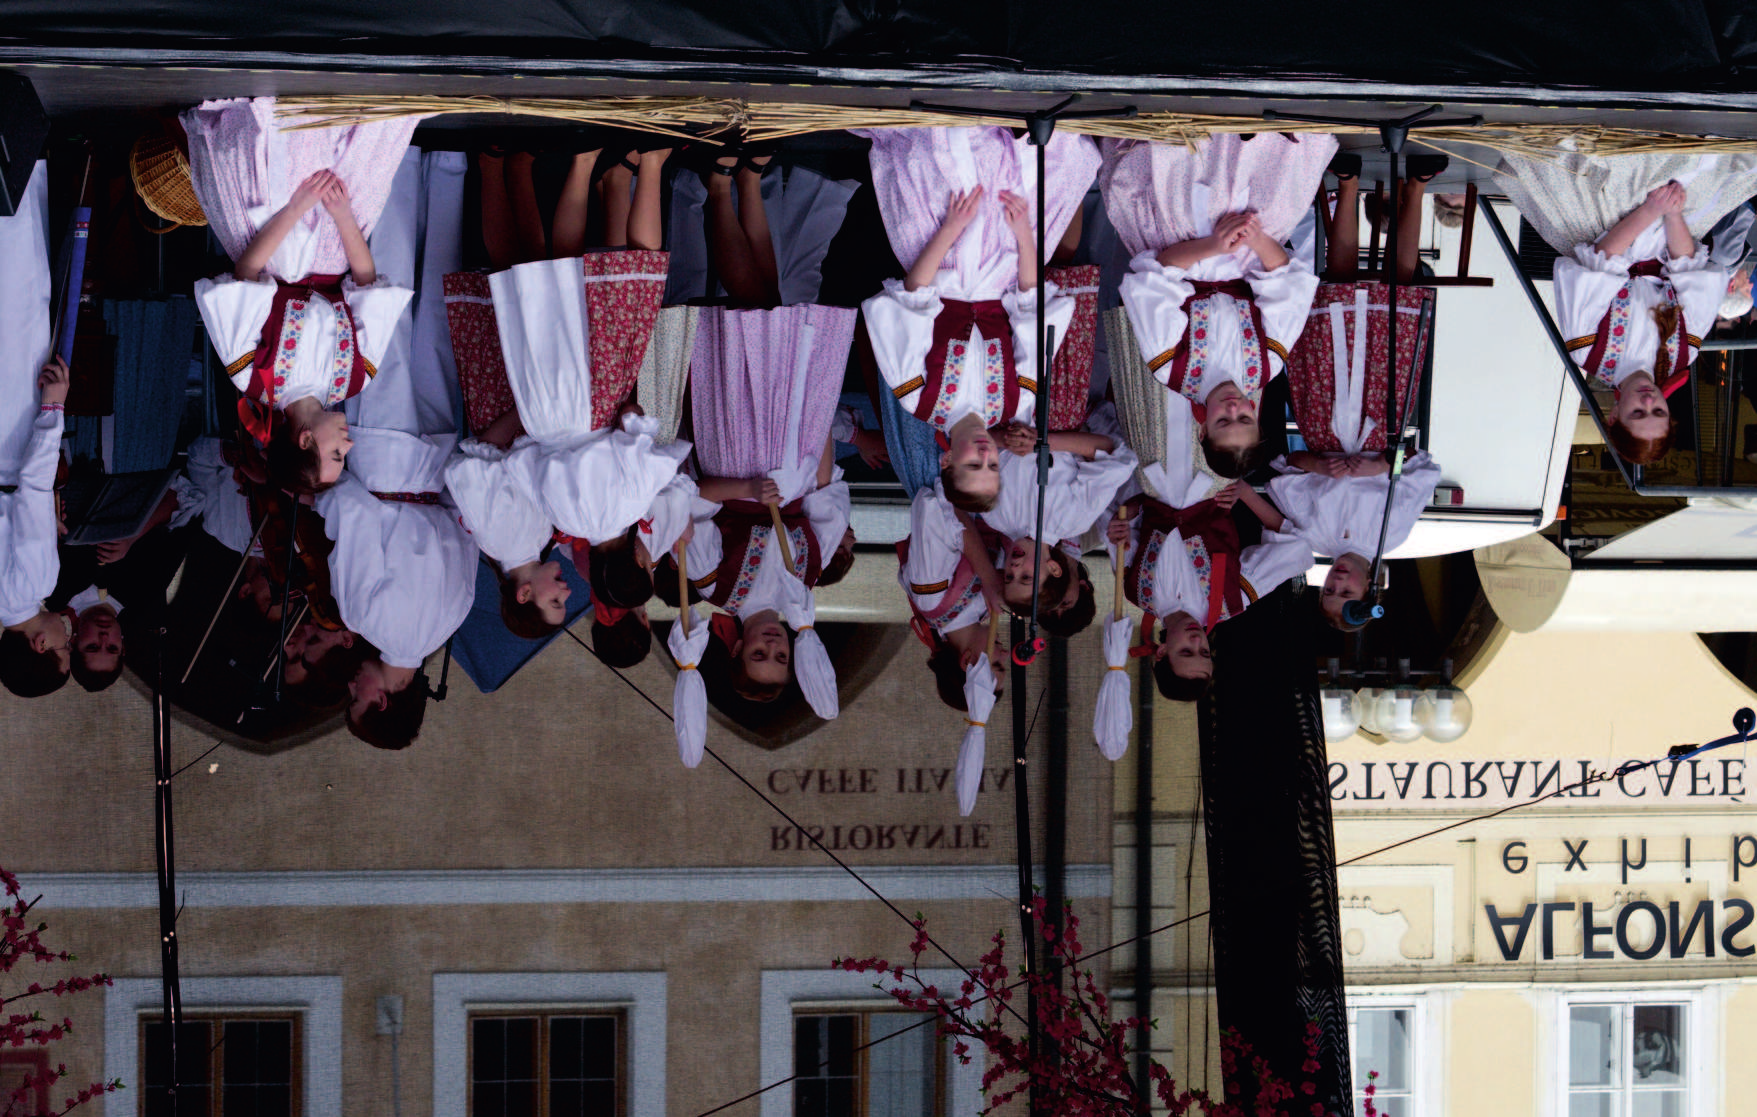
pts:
pixel 1275 910
pixel 1678 46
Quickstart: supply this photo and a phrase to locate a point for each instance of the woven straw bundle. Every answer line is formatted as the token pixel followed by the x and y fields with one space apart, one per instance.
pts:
pixel 713 120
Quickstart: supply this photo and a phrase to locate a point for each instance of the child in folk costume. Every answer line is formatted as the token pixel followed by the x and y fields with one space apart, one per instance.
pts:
pixel 1635 290
pixel 562 341
pixel 402 572
pixel 947 574
pixel 765 378
pixel 34 648
pixel 1336 370
pixel 1085 473
pixel 956 341
pixel 303 320
pixel 1174 534
pixel 1185 569
pixel 514 533
pixel 403 568
pixel 765 387
pixel 1214 299
pixel 209 489
pixel 949 580
pixel 1332 494
pixel 1339 514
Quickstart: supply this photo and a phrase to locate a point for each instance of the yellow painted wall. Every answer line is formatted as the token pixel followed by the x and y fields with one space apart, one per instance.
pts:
pixel 1492 1056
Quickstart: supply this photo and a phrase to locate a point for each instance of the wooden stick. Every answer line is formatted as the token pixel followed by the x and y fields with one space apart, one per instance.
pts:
pixel 1122 550
pixel 781 537
pixel 282 650
pixel 683 587
pixel 237 574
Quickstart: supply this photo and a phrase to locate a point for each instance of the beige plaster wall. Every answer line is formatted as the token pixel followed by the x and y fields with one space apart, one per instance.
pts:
pixel 563 768
pixel 1492 1058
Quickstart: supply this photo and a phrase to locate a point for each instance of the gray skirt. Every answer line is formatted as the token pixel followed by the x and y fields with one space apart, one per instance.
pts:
pixel 1572 199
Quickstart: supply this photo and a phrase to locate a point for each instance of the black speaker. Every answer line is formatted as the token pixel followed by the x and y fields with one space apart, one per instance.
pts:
pixel 1536 258
pixel 24 129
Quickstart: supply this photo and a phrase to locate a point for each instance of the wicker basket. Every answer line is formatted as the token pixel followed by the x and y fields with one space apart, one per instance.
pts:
pixel 160 172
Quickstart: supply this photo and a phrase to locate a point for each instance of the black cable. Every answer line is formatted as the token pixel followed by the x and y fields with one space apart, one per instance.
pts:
pixel 197 760
pixel 776 807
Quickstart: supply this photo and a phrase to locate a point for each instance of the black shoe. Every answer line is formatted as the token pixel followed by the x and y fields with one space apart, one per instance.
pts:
pixel 1424 166
pixel 1345 165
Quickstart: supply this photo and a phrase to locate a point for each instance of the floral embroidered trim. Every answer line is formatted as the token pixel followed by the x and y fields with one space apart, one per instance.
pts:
pixel 753 561
pixel 1617 318
pixel 994 375
pixel 1202 314
pixel 1197 548
pixel 972 591
pixel 1149 565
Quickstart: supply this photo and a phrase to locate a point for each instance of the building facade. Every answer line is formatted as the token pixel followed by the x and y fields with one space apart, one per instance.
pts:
pixel 535 904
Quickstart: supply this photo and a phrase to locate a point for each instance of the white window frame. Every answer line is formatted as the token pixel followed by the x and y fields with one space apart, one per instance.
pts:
pixel 640 995
pixel 1426 1087
pixel 786 992
pixel 317 1000
pixel 1702 1039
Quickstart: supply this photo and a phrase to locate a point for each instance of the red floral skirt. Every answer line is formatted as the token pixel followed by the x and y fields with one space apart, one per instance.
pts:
pixel 624 290
pixel 1311 372
pixel 1072 368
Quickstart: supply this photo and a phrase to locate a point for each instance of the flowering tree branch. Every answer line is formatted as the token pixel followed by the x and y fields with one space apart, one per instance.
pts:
pixel 20 943
pixel 1082 1067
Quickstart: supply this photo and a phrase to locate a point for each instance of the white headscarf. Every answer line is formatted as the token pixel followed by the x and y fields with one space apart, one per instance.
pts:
pixel 979 697
pixel 689 697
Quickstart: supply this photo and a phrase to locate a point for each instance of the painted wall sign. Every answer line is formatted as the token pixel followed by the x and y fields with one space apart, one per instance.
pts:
pixel 1471 784
pixel 1638 931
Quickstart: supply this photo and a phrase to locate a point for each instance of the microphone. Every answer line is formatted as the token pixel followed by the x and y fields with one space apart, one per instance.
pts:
pixel 1025 651
pixel 1360 612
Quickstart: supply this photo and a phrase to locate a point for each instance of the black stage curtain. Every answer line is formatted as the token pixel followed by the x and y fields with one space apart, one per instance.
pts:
pixel 1694 46
pixel 1271 852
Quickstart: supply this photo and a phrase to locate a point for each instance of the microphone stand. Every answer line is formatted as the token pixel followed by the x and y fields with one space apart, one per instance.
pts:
pixel 1392 136
pixel 1368 608
pixel 1039 127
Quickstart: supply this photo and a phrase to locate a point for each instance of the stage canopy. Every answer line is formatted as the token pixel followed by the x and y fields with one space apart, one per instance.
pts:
pixel 1683 49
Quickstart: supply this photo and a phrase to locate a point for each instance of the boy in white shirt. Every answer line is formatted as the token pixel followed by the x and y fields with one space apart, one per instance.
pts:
pixel 34 656
pixel 35 652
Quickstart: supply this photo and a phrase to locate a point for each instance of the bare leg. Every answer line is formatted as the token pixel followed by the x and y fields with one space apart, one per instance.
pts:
pixel 617 181
pixel 526 218
pixel 755 221
pixel 570 211
pixel 1070 242
pixel 1342 253
pixel 1409 228
pixel 646 222
pixel 727 243
pixel 497 233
